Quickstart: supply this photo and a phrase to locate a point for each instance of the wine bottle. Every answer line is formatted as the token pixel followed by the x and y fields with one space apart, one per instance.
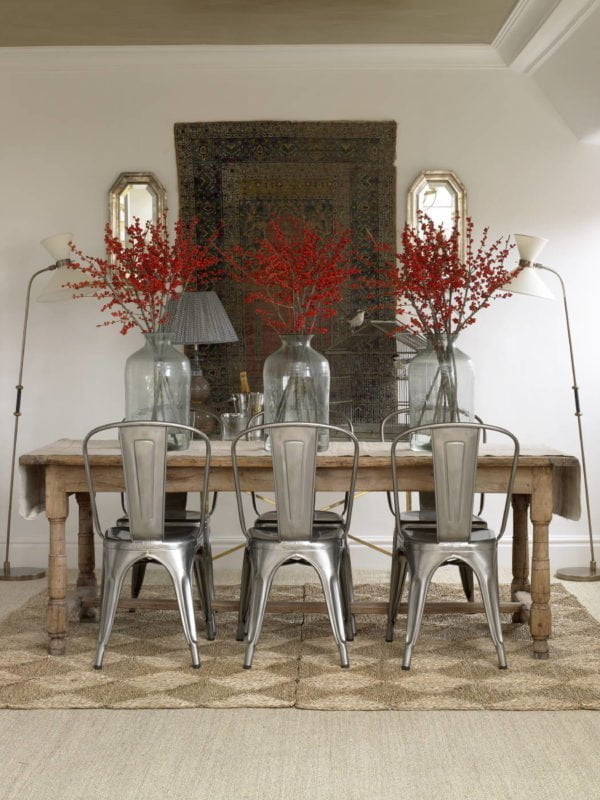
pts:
pixel 244 385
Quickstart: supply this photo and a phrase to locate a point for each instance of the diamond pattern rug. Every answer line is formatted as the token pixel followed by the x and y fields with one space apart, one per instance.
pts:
pixel 296 664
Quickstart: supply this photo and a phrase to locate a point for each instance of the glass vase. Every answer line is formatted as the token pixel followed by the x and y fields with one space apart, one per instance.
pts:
pixel 157 386
pixel 296 385
pixel 441 387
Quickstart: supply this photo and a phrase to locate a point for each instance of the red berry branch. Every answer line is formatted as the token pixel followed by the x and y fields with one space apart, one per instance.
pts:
pixel 295 275
pixel 138 278
pixel 436 292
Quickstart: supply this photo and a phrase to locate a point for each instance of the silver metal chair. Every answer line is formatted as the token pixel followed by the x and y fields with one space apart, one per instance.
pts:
pixel 147 536
pixel 203 565
pixel 296 536
pixel 455 448
pixel 424 515
pixel 268 519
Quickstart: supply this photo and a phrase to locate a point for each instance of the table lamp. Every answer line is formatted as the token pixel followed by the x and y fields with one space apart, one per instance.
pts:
pixel 529 282
pixel 58 247
pixel 199 318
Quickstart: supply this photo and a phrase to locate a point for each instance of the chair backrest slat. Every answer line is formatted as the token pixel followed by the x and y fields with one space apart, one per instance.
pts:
pixel 454 452
pixel 294 471
pixel 144 452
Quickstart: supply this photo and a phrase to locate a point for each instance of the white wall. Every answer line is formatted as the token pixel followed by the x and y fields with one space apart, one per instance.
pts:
pixel 72 122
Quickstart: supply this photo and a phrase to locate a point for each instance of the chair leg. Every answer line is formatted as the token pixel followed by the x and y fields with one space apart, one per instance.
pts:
pixel 203 573
pixel 179 567
pixel 466 578
pixel 347 593
pixel 487 575
pixel 327 563
pixel 422 567
pixel 115 565
pixel 138 572
pixel 263 570
pixel 397 581
pixel 245 587
pixel 209 564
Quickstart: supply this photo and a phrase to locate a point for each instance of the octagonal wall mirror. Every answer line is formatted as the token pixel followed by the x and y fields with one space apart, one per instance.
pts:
pixel 135 194
pixel 442 196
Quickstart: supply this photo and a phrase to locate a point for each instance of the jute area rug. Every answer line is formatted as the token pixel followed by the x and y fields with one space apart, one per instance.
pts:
pixel 296 663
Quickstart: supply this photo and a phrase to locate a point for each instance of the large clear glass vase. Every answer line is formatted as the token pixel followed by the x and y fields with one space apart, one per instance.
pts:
pixel 157 386
pixel 296 382
pixel 441 386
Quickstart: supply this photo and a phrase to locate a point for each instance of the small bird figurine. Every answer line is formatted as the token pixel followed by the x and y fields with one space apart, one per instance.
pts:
pixel 357 320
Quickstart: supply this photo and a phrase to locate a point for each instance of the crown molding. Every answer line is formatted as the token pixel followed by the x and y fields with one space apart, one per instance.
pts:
pixel 524 20
pixel 534 31
pixel 234 57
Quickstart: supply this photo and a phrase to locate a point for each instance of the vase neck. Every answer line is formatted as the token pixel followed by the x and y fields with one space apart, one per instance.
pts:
pixel 296 339
pixel 441 340
pixel 158 341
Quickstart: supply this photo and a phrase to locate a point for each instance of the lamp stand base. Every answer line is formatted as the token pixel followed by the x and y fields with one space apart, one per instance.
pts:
pixel 579 573
pixel 20 573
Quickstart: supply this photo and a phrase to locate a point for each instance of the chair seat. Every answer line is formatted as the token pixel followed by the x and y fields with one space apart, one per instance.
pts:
pixel 424 535
pixel 428 517
pixel 320 533
pixel 269 519
pixel 173 534
pixel 183 516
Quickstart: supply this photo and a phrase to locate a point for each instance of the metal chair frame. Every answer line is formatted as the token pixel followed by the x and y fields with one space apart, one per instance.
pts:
pixel 203 567
pixel 466 574
pixel 455 449
pixel 296 537
pixel 269 519
pixel 183 517
pixel 177 547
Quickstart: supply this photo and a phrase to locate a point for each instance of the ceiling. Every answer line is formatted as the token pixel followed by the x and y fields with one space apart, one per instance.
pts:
pixel 33 23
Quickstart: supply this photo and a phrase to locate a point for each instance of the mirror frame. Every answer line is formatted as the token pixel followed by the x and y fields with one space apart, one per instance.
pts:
pixel 454 183
pixel 126 179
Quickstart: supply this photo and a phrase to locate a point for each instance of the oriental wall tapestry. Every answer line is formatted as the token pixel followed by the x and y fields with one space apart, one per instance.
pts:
pixel 240 174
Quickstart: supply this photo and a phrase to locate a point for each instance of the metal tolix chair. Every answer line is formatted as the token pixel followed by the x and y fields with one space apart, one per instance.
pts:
pixel 268 519
pixel 179 514
pixel 424 515
pixel 147 536
pixel 455 449
pixel 296 536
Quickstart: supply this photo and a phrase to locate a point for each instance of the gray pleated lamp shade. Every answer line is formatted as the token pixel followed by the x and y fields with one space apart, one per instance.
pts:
pixel 199 318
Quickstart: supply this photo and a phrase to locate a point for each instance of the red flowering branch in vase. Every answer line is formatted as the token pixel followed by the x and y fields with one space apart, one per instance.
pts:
pixel 296 276
pixel 437 294
pixel 137 278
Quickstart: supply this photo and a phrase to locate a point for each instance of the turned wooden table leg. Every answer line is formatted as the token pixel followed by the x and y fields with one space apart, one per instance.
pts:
pixel 86 580
pixel 520 550
pixel 540 620
pixel 57 509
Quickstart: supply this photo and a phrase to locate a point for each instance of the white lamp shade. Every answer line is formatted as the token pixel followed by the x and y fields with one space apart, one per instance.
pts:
pixel 58 246
pixel 529 247
pixel 528 281
pixel 56 290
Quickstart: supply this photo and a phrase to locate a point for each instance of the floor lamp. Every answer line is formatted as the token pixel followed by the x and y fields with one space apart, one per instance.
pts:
pixel 58 247
pixel 529 282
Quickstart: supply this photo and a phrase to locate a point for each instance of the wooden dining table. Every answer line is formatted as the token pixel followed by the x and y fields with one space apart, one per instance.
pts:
pixel 547 482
